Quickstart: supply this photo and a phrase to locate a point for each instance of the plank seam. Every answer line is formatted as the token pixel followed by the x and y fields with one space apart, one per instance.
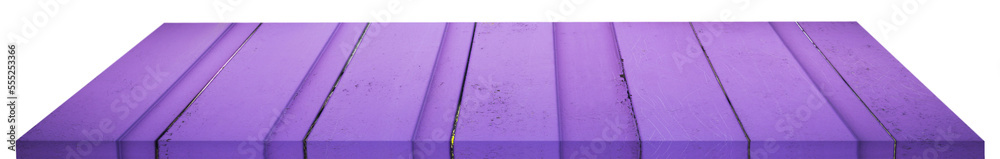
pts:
pixel 118 144
pixel 454 126
pixel 305 151
pixel 894 142
pixel 157 141
pixel 430 82
pixel 621 62
pixel 322 52
pixel 559 108
pixel 721 87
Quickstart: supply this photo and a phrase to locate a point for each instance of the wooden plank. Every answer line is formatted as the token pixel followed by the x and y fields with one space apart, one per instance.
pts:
pixel 595 114
pixel 782 111
pixel 533 90
pixel 681 110
pixel 873 140
pixel 432 138
pixel 374 109
pixel 285 138
pixel 138 141
pixel 922 125
pixel 508 107
pixel 232 116
pixel 87 124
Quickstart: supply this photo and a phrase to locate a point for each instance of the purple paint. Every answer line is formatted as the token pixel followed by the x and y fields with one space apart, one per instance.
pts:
pixel 782 111
pixel 595 115
pixel 285 139
pixel 373 111
pixel 527 90
pixel 87 124
pixel 433 132
pixel 508 107
pixel 922 124
pixel 235 112
pixel 873 140
pixel 138 141
pixel 681 110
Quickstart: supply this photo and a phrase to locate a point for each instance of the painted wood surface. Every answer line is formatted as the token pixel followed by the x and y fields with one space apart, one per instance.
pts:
pixel 681 110
pixel 285 137
pixel 922 124
pixel 873 140
pixel 138 141
pixel 508 107
pixel 595 114
pixel 505 90
pixel 233 115
pixel 88 124
pixel 782 111
pixel 375 107
pixel 432 137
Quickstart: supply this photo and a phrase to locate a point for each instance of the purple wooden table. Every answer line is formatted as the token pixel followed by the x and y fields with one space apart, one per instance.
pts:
pixel 505 90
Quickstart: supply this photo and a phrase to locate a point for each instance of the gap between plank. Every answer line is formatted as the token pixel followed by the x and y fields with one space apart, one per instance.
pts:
pixel 423 105
pixel 852 88
pixel 722 87
pixel 118 144
pixel 454 126
pixel 614 32
pixel 157 141
pixel 305 152
pixel 322 52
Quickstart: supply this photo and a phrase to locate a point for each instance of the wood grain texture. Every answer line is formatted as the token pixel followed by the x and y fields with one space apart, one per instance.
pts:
pixel 509 105
pixel 922 124
pixel 505 90
pixel 783 112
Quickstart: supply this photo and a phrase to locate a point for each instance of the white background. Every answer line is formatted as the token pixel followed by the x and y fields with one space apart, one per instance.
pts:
pixel 951 46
